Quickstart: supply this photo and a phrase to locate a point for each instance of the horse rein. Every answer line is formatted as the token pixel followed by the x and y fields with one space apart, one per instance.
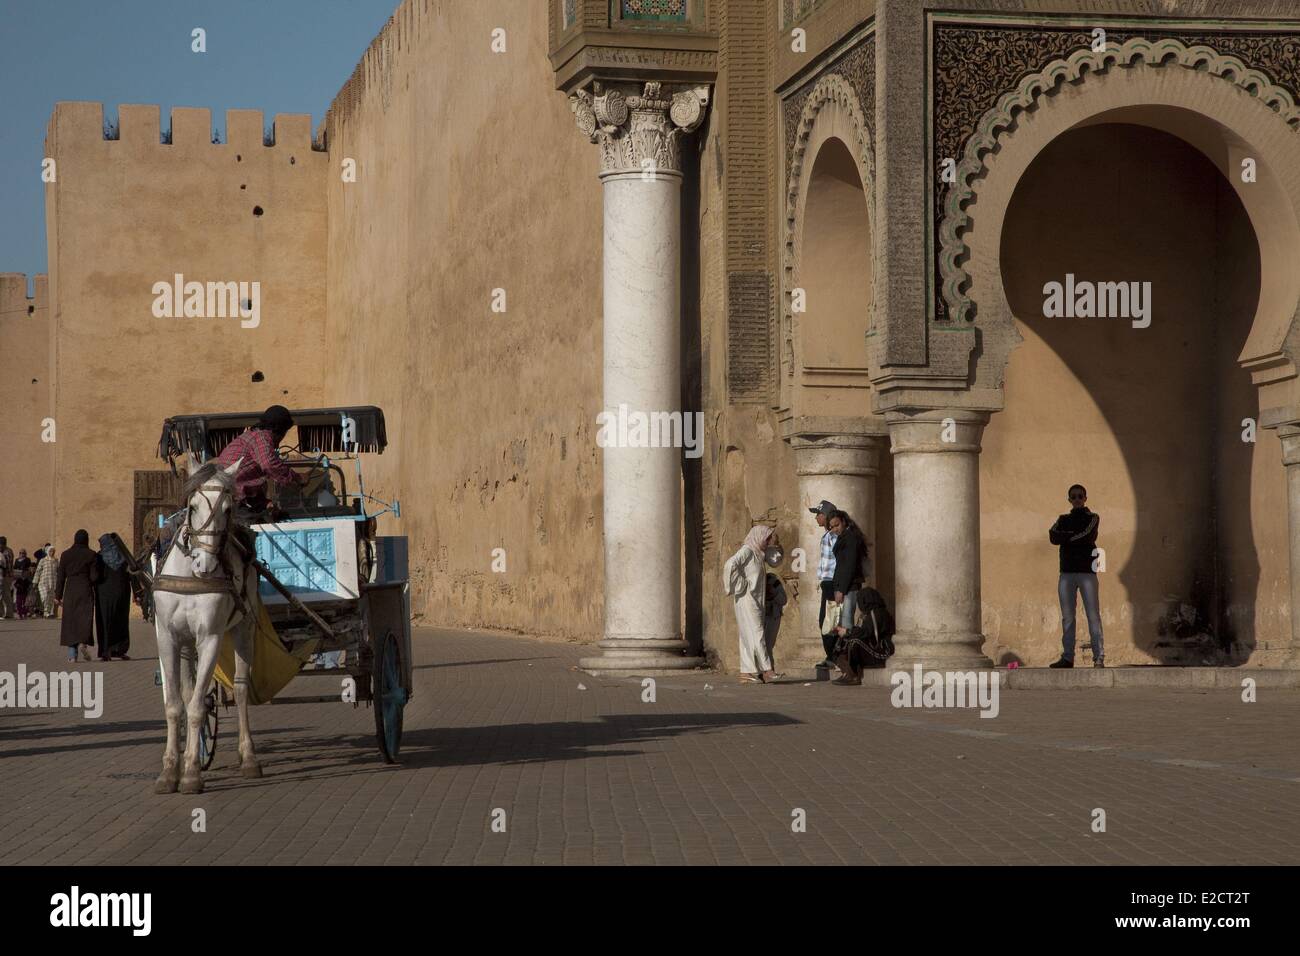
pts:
pixel 187 546
pixel 188 540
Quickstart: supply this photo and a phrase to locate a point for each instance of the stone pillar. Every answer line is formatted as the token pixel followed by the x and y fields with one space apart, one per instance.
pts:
pixel 639 133
pixel 937 538
pixel 1286 653
pixel 842 469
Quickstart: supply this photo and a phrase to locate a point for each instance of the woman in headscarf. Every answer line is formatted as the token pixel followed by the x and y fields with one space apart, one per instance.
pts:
pixel 112 601
pixel 47 579
pixel 75 590
pixel 743 579
pixel 23 567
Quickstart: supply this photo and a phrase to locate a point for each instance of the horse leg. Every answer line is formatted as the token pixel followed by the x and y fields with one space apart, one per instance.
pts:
pixel 248 764
pixel 192 774
pixel 169 661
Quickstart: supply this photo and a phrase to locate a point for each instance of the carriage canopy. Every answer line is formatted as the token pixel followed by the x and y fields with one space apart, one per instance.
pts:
pixel 358 428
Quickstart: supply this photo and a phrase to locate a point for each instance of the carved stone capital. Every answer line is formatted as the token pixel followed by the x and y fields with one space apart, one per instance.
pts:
pixel 639 126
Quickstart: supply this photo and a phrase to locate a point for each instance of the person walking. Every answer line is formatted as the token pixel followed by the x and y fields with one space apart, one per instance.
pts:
pixel 75 590
pixel 743 578
pixel 1076 535
pixel 35 608
pixel 6 579
pixel 112 601
pixel 826 573
pixel 47 580
pixel 850 556
pixel 23 568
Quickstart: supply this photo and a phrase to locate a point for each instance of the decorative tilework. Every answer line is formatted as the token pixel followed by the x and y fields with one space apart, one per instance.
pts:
pixel 654 10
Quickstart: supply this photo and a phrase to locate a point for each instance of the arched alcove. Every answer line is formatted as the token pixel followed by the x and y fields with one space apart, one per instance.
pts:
pixel 1148 418
pixel 834 272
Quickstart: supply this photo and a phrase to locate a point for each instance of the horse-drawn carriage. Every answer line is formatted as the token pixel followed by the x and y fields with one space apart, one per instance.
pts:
pixel 333 598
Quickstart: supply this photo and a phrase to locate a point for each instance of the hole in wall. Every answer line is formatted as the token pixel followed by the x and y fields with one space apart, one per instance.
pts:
pixel 31 309
pixel 243 185
pixel 257 210
pixel 258 377
pixel 292 161
pixel 238 158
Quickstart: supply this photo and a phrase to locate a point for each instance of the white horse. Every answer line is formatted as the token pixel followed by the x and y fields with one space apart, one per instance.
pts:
pixel 199 595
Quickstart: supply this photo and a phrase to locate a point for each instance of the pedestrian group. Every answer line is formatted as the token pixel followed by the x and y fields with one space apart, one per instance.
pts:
pixel 93 589
pixel 856 626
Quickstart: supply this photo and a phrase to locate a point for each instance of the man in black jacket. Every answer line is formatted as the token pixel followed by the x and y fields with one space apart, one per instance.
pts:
pixel 1076 534
pixel 850 550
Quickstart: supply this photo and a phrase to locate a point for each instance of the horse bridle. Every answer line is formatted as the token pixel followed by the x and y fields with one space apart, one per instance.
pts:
pixel 224 580
pixel 187 545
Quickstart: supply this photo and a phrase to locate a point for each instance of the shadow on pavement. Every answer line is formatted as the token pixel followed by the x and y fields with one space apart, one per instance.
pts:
pixel 502 744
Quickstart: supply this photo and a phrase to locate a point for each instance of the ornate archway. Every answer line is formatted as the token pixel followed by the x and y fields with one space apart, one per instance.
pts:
pixel 1236 117
pixel 1216 103
pixel 830 112
pixel 829 247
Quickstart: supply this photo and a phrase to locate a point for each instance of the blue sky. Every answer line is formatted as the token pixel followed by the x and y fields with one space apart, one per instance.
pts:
pixel 279 56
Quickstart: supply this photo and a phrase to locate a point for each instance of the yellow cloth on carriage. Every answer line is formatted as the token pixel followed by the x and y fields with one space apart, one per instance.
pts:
pixel 273 666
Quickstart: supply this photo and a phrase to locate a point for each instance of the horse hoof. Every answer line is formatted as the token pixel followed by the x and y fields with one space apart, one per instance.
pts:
pixel 165 784
pixel 191 785
pixel 251 770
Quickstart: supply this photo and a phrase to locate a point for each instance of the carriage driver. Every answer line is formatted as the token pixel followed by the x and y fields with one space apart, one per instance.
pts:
pixel 257 447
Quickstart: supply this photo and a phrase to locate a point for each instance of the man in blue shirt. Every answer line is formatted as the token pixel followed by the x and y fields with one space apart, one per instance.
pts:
pixel 826 573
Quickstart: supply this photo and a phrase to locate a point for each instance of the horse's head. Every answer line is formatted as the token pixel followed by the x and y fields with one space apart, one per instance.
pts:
pixel 211 497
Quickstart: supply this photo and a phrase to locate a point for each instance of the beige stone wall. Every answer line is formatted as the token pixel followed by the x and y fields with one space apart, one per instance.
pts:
pixel 471 177
pixel 1148 419
pixel 26 508
pixel 124 214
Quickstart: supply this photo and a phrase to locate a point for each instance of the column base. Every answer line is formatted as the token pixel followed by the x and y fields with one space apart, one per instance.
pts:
pixel 640 657
pixel 946 652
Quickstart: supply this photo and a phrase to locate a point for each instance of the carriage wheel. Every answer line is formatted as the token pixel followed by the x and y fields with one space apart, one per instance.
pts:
pixel 389 696
pixel 208 731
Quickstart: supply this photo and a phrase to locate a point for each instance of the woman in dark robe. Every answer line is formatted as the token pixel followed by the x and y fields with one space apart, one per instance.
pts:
pixel 75 590
pixel 112 601
pixel 23 568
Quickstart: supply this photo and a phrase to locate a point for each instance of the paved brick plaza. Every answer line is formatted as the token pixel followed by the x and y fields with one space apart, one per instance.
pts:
pixel 700 776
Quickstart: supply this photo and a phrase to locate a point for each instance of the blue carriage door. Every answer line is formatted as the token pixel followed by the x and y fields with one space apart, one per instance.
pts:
pixel 302 560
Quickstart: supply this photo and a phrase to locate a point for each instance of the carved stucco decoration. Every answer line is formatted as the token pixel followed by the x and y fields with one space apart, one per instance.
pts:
pixel 858 67
pixel 636 131
pixel 974 65
pixel 830 88
pixel 1167 52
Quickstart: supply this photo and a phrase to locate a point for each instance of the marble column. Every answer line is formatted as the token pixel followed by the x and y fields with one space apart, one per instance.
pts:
pixel 841 469
pixel 1286 651
pixel 639 129
pixel 937 538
